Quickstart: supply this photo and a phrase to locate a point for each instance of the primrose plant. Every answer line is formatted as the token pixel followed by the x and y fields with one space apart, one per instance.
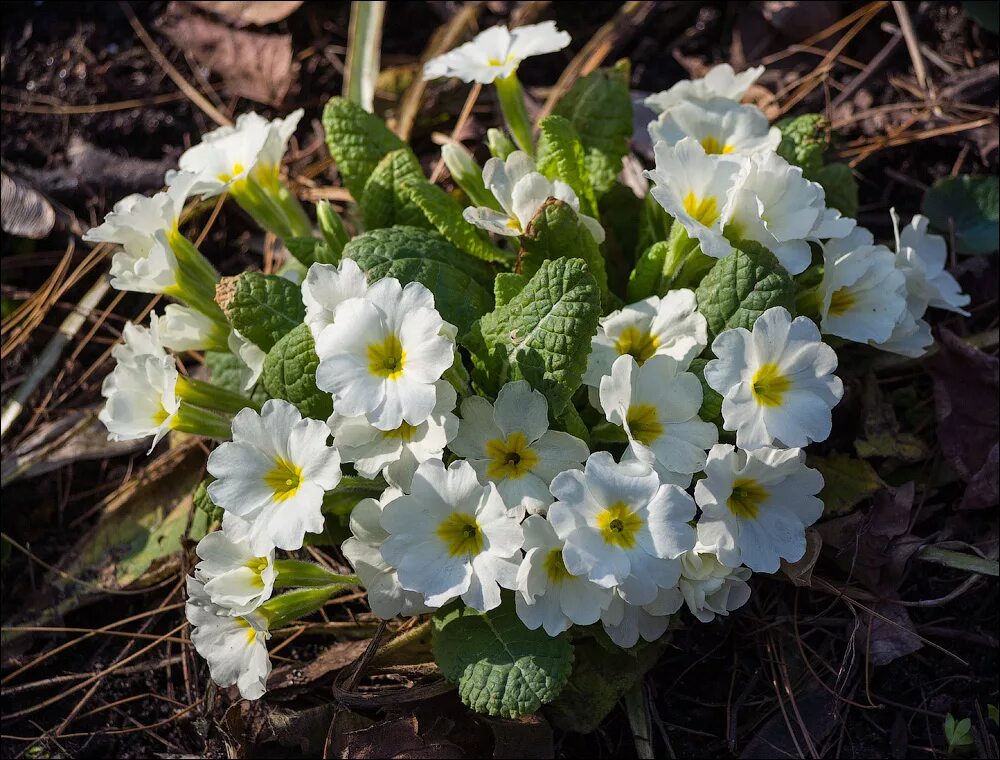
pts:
pixel 499 436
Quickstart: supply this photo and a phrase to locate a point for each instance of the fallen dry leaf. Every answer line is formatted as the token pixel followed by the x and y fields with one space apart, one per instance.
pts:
pixel 25 211
pixel 247 12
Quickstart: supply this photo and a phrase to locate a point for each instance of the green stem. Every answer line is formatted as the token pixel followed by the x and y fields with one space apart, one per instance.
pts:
pixel 189 292
pixel 960 560
pixel 196 421
pixel 332 228
pixel 193 260
pixel 212 397
pixel 256 201
pixel 296 573
pixel 281 610
pixel 515 113
pixel 295 216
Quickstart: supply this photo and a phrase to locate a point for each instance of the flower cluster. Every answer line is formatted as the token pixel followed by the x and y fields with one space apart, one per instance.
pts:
pixel 678 472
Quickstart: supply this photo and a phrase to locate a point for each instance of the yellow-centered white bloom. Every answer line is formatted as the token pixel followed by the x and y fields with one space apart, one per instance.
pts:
pixel 233 645
pixel 270 479
pixel 720 82
pixel 510 444
pixel 547 595
pixel 722 126
pixel 626 623
pixel 621 526
pixel 657 405
pixel 497 52
pixel 698 189
pixel 229 156
pixel 326 287
pixel 383 354
pixel 863 294
pixel 235 578
pixel 452 537
pixel 777 383
pixel 710 588
pixel 756 506
pixel 668 326
pixel 521 191
pixel 140 398
pixel 396 453
pixel 386 597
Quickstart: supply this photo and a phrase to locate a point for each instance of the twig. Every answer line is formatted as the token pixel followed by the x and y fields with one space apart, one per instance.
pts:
pixel 913 47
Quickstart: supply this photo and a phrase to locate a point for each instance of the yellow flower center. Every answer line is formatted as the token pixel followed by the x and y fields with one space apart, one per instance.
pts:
pixel 404 432
pixel 498 62
pixel 461 534
pixel 160 415
pixel 511 458
pixel 555 568
pixel 643 421
pixel 513 224
pixel 283 479
pixel 386 359
pixel 639 343
pixel 746 498
pixel 236 170
pixel 619 525
pixel 257 566
pixel 770 385
pixel 841 302
pixel 712 146
pixel 704 210
pixel 251 631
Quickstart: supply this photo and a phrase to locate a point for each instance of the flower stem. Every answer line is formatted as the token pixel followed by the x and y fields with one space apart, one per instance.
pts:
pixel 212 397
pixel 197 421
pixel 281 610
pixel 293 572
pixel 515 113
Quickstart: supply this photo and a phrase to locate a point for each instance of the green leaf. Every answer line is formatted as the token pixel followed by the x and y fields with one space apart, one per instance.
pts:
pixel 840 187
pixel 204 503
pixel 290 373
pixel 445 213
pixel 654 224
pixel 561 156
pixel 804 140
pixel 308 250
pixel 657 269
pixel 459 284
pixel 994 713
pixel 553 231
pixel 357 141
pixel 711 400
pixel 600 678
pixel 571 422
pixel 500 667
pixel 542 334
pixel 846 481
pixel 384 202
pixel 506 286
pixel 226 371
pixel 599 107
pixel 971 204
pixel 262 307
pixel 742 286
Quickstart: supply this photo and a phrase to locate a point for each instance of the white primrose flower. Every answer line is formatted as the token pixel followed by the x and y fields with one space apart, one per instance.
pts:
pixel 509 443
pixel 521 191
pixel 235 577
pixel 156 270
pixel 234 646
pixel 496 53
pixel 910 337
pixel 251 356
pixel 141 399
pixel 621 526
pixel 756 505
pixel 452 536
pixel 383 354
pixel 396 453
pixel 668 326
pixel 720 82
pixel 326 287
pixel 386 597
pixel 626 623
pixel 657 404
pixel 228 156
pixel 697 189
pixel 863 294
pixel 270 479
pixel 139 341
pixel 710 588
pixel 722 126
pixel 921 257
pixel 780 209
pixel 182 328
pixel 777 382
pixel 547 595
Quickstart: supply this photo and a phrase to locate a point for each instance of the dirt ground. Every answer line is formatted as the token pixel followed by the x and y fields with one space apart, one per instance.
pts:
pixel 866 660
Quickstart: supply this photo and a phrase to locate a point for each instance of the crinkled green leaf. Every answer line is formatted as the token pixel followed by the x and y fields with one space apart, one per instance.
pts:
pixel 500 667
pixel 840 187
pixel 711 400
pixel 357 141
pixel 742 286
pixel 561 156
pixel 204 503
pixel 972 205
pixel 804 140
pixel 445 213
pixel 226 371
pixel 659 266
pixel 846 481
pixel 384 201
pixel 263 307
pixel 506 286
pixel 555 231
pixel 542 334
pixel 599 107
pixel 290 373
pixel 460 284
pixel 308 250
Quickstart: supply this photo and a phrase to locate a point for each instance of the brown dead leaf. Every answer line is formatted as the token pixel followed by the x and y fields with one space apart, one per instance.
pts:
pixel 252 65
pixel 399 737
pixel 26 212
pixel 529 736
pixel 247 12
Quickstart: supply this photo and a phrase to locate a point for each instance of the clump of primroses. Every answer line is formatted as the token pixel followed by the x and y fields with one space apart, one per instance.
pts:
pixel 481 497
